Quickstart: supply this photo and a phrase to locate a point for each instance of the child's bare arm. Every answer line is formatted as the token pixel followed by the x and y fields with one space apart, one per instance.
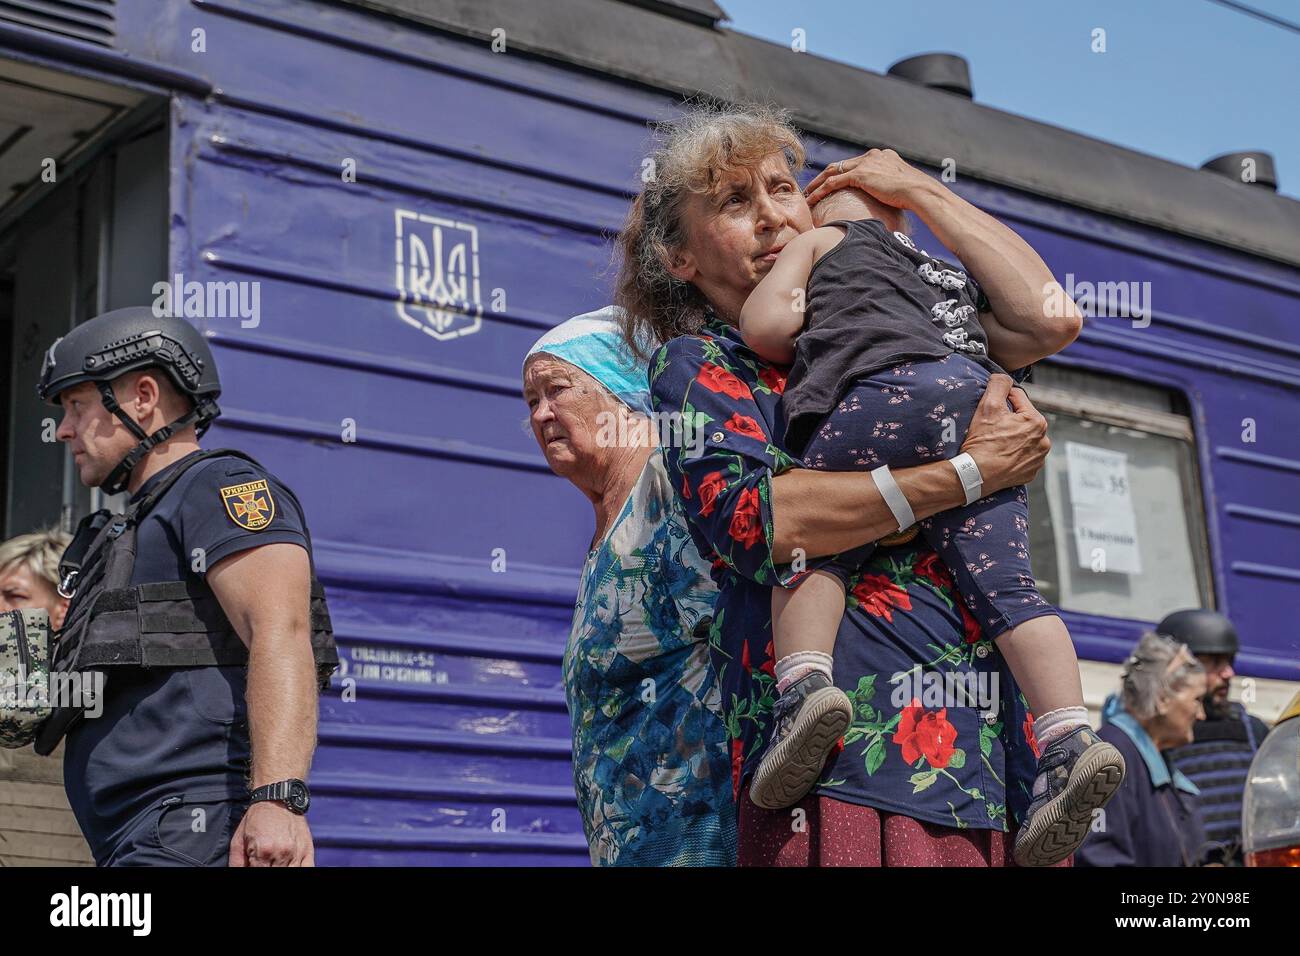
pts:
pixel 772 316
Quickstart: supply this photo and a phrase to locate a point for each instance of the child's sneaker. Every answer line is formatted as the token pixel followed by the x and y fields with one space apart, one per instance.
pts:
pixel 808 720
pixel 1076 774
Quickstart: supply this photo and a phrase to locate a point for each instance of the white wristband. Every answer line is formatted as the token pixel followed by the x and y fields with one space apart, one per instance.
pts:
pixel 894 497
pixel 969 474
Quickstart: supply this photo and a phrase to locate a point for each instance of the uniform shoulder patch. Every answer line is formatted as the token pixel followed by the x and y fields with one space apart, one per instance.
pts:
pixel 250 504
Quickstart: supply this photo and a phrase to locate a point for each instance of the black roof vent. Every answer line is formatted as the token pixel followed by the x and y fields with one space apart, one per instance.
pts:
pixel 1254 168
pixel 940 71
pixel 702 13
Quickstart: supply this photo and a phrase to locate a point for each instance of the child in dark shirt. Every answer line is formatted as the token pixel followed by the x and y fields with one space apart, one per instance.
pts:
pixel 889 364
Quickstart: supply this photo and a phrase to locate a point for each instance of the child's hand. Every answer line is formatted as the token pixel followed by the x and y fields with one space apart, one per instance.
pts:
pixel 880 172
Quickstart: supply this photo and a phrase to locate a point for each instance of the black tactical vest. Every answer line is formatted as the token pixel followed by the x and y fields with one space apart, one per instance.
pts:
pixel 112 623
pixel 1218 761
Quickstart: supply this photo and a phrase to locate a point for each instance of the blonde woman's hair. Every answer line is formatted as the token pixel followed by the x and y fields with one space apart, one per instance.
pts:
pixel 712 141
pixel 1158 667
pixel 39 552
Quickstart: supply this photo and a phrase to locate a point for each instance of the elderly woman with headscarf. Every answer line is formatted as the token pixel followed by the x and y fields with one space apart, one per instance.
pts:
pixel 650 761
pixel 1154 818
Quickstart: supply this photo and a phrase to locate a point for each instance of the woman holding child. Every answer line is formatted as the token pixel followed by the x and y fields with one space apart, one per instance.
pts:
pixel 910 780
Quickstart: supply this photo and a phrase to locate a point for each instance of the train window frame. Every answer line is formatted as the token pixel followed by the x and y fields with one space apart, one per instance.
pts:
pixel 1136 414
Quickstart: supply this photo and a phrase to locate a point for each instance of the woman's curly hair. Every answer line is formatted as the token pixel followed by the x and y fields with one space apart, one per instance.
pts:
pixel 693 153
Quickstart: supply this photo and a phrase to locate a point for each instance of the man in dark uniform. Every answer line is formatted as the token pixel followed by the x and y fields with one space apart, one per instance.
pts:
pixel 212 643
pixel 1219 757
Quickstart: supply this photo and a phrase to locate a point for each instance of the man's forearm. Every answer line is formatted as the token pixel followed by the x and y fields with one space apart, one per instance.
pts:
pixel 282 705
pixel 824 512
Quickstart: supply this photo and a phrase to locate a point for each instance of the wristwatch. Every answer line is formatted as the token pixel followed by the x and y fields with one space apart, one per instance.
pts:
pixel 292 793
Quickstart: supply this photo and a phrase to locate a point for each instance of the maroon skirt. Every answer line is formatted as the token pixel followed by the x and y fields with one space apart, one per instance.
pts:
pixel 834 833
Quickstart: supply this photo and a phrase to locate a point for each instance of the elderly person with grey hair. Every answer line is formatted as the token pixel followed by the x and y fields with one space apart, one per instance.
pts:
pixel 650 762
pixel 1154 818
pixel 29 573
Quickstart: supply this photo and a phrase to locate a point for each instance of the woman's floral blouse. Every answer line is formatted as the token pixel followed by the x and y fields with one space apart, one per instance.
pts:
pixel 651 765
pixel 906 643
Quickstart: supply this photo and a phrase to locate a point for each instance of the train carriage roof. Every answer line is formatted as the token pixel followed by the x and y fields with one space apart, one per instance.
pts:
pixel 677 45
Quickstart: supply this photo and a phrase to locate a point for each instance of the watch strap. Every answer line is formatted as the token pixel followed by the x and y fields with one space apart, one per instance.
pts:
pixel 271 791
pixel 280 791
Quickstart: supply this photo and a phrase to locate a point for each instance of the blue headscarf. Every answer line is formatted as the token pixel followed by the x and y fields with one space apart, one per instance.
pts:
pixel 594 343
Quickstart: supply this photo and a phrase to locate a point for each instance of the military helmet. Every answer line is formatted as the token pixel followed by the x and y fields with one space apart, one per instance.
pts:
pixel 129 340
pixel 1202 630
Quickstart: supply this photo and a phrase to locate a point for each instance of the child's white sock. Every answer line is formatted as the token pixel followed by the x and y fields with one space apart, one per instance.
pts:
pixel 1057 723
pixel 799 664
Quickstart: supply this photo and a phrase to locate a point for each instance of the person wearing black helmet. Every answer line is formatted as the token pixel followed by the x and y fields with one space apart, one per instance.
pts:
pixel 1219 757
pixel 198 608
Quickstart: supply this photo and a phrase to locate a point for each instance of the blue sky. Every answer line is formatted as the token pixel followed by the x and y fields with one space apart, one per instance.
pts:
pixel 1181 79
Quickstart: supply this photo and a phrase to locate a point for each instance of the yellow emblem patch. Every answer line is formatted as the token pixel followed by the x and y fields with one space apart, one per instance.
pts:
pixel 249 505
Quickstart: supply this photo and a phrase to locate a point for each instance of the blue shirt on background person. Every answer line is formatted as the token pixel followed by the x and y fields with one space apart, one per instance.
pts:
pixel 1154 819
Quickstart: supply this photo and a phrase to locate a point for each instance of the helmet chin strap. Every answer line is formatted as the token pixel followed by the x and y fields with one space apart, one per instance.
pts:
pixel 119 477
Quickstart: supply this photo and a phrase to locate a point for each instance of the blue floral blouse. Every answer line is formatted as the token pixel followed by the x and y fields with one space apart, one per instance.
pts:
pixel 907 642
pixel 650 759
